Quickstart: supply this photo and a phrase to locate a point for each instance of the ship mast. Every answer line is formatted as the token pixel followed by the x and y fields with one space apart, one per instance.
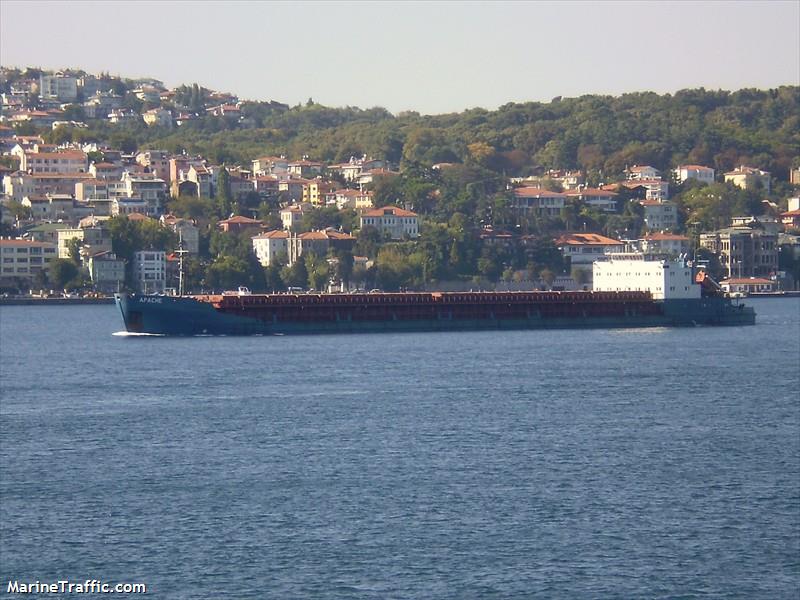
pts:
pixel 180 252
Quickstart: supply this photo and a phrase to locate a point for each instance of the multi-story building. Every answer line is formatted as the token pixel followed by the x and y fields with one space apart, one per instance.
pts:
pixel 94 239
pixel 665 243
pixel 318 242
pixel 743 251
pixel 158 117
pixel 304 168
pixel 749 178
pixel 23 259
pixel 355 199
pixel 533 201
pixel 150 271
pixel 637 172
pixel 68 161
pixel 698 172
pixel 602 200
pixel 395 222
pixel 187 231
pixel 156 162
pixel 659 216
pixel 106 271
pixel 316 190
pixel 292 215
pixel 271 165
pixel 63 88
pixel 582 249
pixel 149 188
pixel 269 245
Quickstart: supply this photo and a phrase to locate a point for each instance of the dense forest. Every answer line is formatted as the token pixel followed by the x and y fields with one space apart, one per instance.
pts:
pixel 600 134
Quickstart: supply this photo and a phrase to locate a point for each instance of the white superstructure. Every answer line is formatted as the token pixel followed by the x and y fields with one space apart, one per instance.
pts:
pixel 663 278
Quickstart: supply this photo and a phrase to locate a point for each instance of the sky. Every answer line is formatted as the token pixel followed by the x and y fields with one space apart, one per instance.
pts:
pixel 430 57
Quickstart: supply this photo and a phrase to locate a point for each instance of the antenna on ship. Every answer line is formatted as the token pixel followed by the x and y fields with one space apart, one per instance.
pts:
pixel 180 252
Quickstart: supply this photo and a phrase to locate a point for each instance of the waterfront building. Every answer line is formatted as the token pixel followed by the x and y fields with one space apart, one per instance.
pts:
pixel 659 216
pixel 748 285
pixel 150 271
pixel 106 271
pixel 743 251
pixel 22 259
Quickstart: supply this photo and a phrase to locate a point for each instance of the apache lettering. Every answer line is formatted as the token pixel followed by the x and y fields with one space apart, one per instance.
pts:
pixel 149 300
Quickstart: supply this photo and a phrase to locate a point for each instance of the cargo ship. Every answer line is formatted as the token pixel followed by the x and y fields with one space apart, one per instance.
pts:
pixel 243 313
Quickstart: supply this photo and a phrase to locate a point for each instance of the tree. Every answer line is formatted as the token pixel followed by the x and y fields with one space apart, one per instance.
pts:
pixel 296 274
pixel 317 269
pixel 62 271
pixel 226 273
pixel 223 193
pixel 74 247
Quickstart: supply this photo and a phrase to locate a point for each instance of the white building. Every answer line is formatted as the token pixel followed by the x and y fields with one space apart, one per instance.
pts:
pixel 394 221
pixel 698 172
pixel 63 88
pixel 583 249
pixel 659 216
pixel 665 243
pixel 637 172
pixel 150 271
pixel 638 273
pixel 270 244
pixel 538 202
pixel 98 239
pixel 106 271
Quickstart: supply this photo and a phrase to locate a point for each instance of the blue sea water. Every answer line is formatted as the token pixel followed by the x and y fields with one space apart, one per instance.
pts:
pixel 657 463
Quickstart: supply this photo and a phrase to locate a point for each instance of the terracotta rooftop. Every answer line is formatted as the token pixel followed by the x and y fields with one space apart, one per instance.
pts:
pixel 390 211
pixel 586 239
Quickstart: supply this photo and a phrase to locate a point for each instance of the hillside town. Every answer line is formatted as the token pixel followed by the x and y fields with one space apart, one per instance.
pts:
pixel 94 214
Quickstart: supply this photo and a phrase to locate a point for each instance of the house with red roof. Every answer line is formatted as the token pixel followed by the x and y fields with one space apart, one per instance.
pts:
pixel 238 224
pixel 396 222
pixel 583 249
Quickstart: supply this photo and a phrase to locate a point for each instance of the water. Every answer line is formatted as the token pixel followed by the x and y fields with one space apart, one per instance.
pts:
pixel 546 464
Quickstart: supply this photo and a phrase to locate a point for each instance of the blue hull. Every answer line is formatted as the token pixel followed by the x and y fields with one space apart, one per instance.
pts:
pixel 166 315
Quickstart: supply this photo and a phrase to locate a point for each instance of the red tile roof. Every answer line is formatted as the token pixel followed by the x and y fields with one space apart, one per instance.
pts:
pixel 392 211
pixel 534 192
pixel 666 236
pixel 586 239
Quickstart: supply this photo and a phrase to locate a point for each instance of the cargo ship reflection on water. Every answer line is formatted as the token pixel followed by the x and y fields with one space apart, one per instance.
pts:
pixel 668 297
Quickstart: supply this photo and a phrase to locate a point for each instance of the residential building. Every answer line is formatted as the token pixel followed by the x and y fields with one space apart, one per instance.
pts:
pixel 156 162
pixel 106 271
pixel 743 251
pixel 665 243
pixel 266 186
pixel 318 242
pixel 187 232
pixel 602 200
pixel 698 172
pixel 89 189
pixel 355 199
pixel 292 189
pixel 533 201
pixel 23 259
pixel 583 249
pixel 791 219
pixel 271 165
pixel 292 215
pixel 46 232
pixel 749 178
pixel 269 245
pixel 659 216
pixel 637 172
pixel 63 88
pixel 106 170
pixel 51 207
pixel 95 239
pixel 68 161
pixel 315 191
pixel 150 271
pixel 123 206
pixel 238 224
pixel 395 222
pixel 149 188
pixel 304 168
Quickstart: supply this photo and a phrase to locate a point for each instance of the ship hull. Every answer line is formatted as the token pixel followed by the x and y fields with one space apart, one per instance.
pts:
pixel 165 315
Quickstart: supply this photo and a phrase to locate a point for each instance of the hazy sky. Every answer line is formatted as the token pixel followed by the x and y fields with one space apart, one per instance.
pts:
pixel 431 57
